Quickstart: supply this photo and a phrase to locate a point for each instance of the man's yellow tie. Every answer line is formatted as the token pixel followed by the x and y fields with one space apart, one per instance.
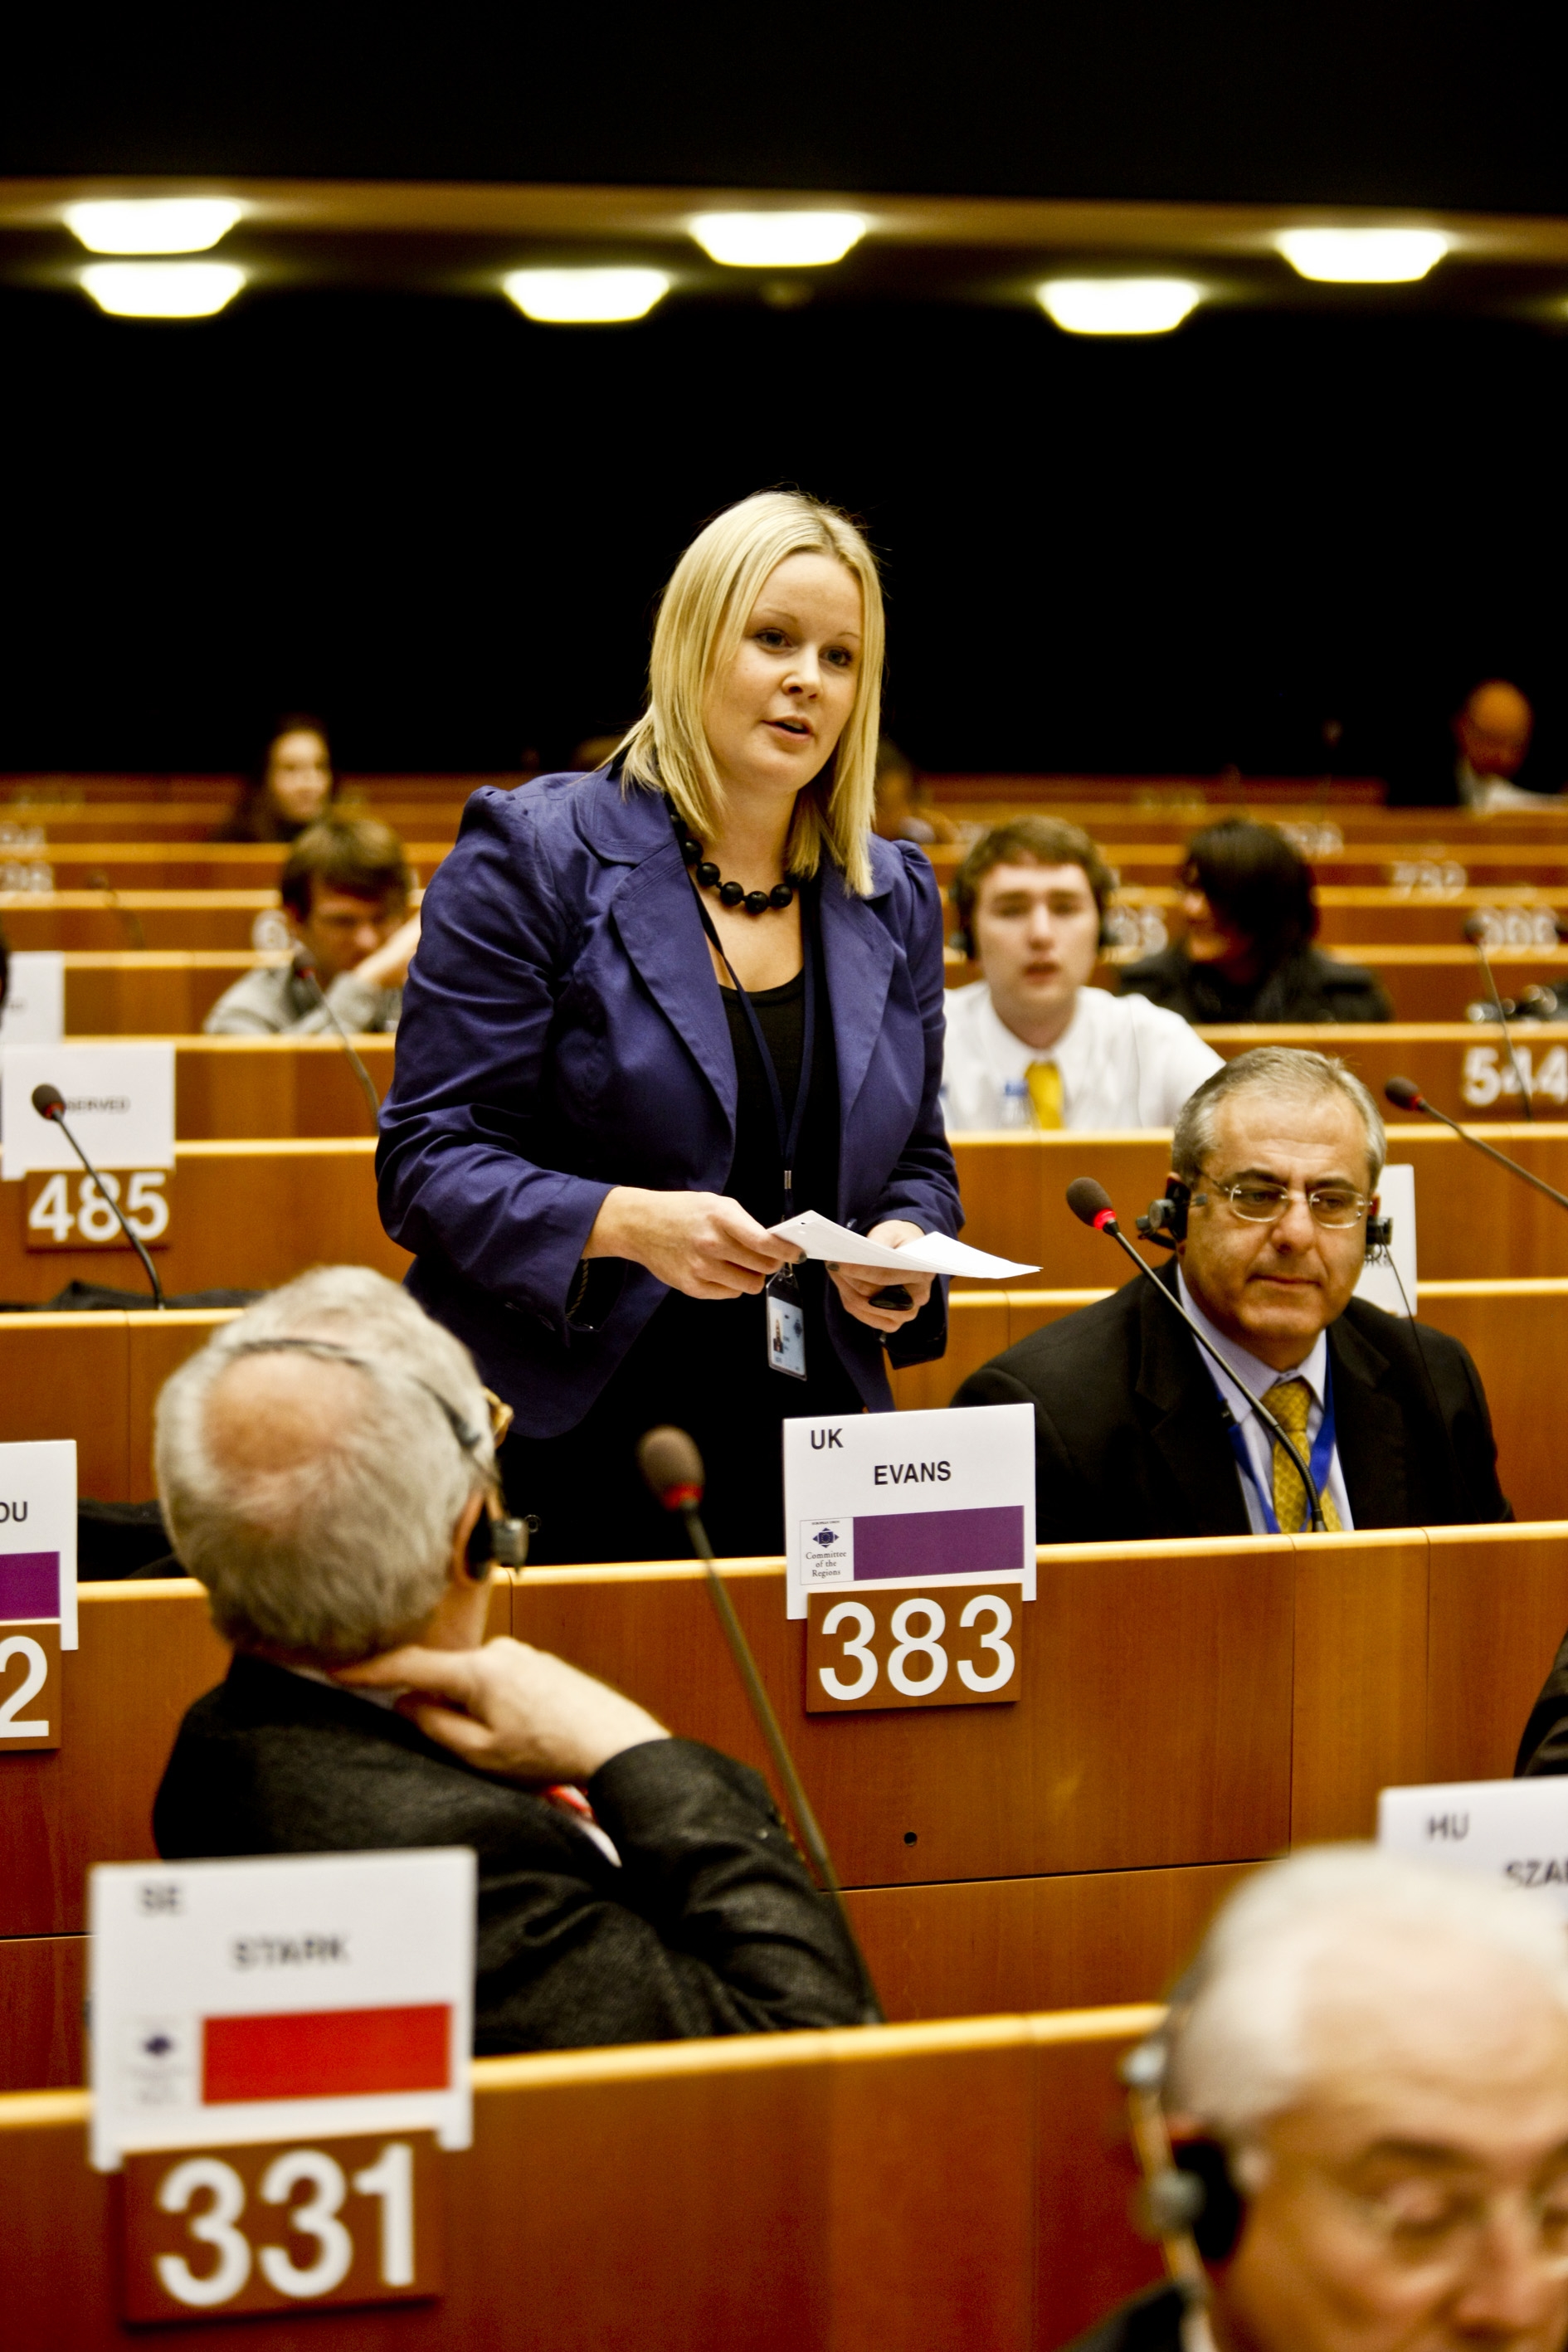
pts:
pixel 1289 1402
pixel 1044 1084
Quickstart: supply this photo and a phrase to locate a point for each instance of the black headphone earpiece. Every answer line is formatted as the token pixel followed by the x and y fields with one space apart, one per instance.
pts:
pixel 1219 2209
pixel 1379 1233
pixel 1165 1219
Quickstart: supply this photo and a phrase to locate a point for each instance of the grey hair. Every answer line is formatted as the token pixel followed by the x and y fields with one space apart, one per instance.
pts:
pixel 346 1553
pixel 1287 1070
pixel 1239 2042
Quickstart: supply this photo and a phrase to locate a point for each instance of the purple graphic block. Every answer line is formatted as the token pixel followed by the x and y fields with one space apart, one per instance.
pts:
pixel 940 1543
pixel 29 1585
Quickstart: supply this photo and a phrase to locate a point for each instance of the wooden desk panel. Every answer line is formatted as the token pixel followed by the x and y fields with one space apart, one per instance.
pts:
pixel 112 921
pixel 1474 1221
pixel 1358 1693
pixel 874 2191
pixel 1460 1065
pixel 977 1944
pixel 1518 1334
pixel 247 1217
pixel 163 993
pixel 1499 1609
pixel 93 1378
pixel 1152 1726
pixel 231 1088
pixel 43 1988
pixel 148 864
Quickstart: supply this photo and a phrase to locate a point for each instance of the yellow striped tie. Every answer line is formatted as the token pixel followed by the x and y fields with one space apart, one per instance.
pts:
pixel 1044 1084
pixel 1289 1402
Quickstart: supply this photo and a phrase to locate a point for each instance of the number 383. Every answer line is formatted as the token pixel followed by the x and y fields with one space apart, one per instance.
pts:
pixel 891 1648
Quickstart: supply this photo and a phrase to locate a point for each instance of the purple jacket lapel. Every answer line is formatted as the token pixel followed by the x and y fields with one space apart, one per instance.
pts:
pixel 859 957
pixel 656 917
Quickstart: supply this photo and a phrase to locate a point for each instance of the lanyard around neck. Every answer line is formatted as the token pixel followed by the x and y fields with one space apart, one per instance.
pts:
pixel 788 1131
pixel 1318 1461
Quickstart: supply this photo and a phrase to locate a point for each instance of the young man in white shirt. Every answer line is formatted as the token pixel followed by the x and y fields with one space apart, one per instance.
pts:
pixel 1031 1044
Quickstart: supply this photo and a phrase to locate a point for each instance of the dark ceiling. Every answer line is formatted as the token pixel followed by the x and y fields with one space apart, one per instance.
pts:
pixel 1353 101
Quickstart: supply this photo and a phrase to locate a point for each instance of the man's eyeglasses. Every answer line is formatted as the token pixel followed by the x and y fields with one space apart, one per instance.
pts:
pixel 1258 1201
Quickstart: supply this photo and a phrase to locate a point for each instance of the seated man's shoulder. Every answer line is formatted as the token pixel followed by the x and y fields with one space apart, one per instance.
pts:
pixel 1052 1362
pixel 254 1006
pixel 1153 2323
pixel 275 1762
pixel 1429 1352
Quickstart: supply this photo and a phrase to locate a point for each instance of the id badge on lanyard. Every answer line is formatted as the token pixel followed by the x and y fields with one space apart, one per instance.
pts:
pixel 786 1319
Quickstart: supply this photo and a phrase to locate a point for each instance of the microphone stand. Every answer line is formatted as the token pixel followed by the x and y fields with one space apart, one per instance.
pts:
pixel 686 1499
pixel 1475 933
pixel 53 1107
pixel 304 965
pixel 1104 1222
pixel 1416 1100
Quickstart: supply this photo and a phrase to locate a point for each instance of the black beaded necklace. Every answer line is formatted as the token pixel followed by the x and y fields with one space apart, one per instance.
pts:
pixel 729 894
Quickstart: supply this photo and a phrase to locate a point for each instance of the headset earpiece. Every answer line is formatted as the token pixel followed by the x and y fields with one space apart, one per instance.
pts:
pixel 1379 1233
pixel 1165 1219
pixel 1219 2209
pixel 961 943
pixel 495 1540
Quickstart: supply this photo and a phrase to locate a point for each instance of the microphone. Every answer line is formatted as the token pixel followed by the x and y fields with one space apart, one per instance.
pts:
pixel 50 1104
pixel 1476 933
pixel 304 965
pixel 1092 1205
pixel 672 1467
pixel 1405 1094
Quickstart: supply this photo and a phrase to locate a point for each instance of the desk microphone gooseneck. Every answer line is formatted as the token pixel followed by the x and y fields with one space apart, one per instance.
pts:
pixel 1092 1205
pixel 50 1104
pixel 1405 1094
pixel 672 1467
pixel 304 965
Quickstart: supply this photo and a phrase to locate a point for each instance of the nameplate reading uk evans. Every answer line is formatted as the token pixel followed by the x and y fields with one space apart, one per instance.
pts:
pixel 1515 1830
pixel 881 1649
pixel 907 1498
pixel 215 2233
pixel 294 1995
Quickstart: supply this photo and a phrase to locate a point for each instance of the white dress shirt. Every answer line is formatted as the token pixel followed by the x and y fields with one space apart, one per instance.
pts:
pixel 1124 1062
pixel 1260 1378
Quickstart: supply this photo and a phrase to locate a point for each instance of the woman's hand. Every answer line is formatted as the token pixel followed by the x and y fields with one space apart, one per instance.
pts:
pixel 521 1713
pixel 855 1283
pixel 699 1242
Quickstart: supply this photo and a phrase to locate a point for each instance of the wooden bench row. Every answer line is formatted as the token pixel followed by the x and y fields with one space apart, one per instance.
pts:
pixel 884 2190
pixel 1184 1710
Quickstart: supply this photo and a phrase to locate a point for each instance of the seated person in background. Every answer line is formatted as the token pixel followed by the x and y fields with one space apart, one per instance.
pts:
pixel 899 812
pixel 1031 1043
pixel 1367 2070
pixel 291 786
pixel 1248 955
pixel 1276 1160
pixel 1481 761
pixel 323 1464
pixel 345 889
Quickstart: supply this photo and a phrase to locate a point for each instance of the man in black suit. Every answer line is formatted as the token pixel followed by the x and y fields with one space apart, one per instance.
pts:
pixel 1276 1162
pixel 327 1470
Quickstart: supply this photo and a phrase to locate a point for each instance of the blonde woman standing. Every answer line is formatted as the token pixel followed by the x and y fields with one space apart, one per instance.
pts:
pixel 659 1008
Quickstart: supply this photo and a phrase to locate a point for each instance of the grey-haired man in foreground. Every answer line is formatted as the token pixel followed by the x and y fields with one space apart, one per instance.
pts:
pixel 1368 2071
pixel 325 1463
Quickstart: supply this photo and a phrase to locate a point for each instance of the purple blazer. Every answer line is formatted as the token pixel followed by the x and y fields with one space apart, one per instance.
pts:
pixel 562 1033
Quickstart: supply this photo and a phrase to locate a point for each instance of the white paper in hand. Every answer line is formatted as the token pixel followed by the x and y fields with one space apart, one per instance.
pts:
pixel 934 1253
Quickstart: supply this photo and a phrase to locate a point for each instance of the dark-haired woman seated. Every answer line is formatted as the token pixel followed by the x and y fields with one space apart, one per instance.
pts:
pixel 1247 954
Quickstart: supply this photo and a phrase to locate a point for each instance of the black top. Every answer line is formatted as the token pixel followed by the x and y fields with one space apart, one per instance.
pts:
pixel 1306 987
pixel 702 1363
pixel 710 1925
pixel 1129 1441
pixel 1151 2323
pixel 1543 1749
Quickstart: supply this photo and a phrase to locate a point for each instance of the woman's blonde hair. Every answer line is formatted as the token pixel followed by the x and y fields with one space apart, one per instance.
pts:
pixel 701 620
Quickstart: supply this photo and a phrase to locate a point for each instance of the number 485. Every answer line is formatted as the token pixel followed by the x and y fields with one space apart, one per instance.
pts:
pixel 92 1220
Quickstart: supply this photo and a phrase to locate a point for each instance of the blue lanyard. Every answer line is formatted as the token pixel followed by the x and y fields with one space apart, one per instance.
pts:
pixel 1318 1461
pixel 788 1135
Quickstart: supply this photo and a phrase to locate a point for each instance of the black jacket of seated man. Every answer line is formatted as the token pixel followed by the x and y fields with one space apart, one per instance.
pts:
pixel 1308 986
pixel 1128 1441
pixel 710 1924
pixel 1543 1749
pixel 1151 2323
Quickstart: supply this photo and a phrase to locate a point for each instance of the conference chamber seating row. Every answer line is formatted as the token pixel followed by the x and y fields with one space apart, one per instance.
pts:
pixel 248 1214
pixel 187 956
pixel 876 2191
pixel 1184 1710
